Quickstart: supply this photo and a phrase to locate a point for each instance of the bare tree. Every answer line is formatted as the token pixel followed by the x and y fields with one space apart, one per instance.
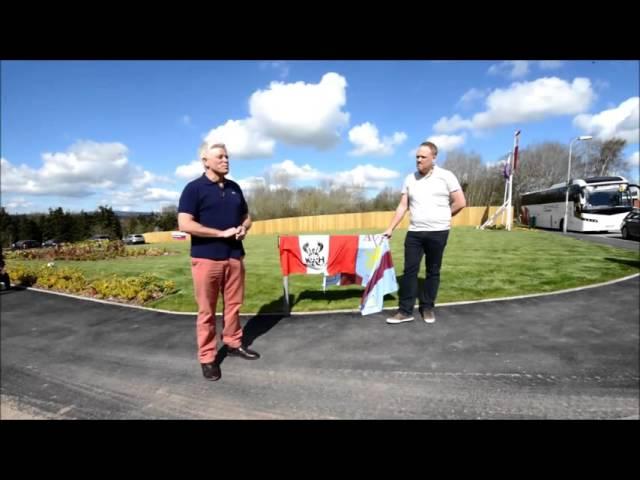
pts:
pixel 386 199
pixel 540 166
pixel 598 158
pixel 472 175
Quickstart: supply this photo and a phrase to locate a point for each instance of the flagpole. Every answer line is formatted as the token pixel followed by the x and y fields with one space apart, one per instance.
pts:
pixel 509 209
pixel 506 188
pixel 285 285
pixel 516 137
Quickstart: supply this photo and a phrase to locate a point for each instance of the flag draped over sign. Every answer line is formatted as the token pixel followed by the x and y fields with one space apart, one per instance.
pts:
pixel 378 275
pixel 326 254
pixel 343 260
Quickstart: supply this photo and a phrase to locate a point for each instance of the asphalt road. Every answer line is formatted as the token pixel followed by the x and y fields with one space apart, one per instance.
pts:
pixel 565 356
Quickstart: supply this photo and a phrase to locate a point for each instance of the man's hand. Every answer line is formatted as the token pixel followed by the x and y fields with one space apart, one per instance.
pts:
pixel 241 232
pixel 230 232
pixel 388 233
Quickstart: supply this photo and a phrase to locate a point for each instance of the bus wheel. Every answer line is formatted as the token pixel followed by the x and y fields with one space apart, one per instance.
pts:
pixel 561 225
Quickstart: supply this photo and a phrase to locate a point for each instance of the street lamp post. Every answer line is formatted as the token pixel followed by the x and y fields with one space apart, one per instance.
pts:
pixel 566 198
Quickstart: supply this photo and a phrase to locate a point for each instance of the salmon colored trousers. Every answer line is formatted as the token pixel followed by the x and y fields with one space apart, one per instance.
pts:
pixel 210 278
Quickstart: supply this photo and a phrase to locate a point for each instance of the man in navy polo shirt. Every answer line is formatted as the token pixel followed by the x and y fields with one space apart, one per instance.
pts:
pixel 212 209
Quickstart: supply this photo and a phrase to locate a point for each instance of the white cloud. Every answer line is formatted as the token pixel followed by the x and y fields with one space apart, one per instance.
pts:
pixel 364 176
pixel 141 178
pixel 471 96
pixel 243 138
pixel 448 125
pixel 526 102
pixel 156 194
pixel 250 183
pixel 366 139
pixel 447 143
pixel 300 113
pixel 293 113
pixel 86 162
pixel 550 64
pixel 520 68
pixel 510 68
pixel 281 67
pixel 290 170
pixel 190 171
pixel 84 168
pixel 361 176
pixel 88 168
pixel 621 121
pixel 531 101
pixel 19 204
pixel 128 200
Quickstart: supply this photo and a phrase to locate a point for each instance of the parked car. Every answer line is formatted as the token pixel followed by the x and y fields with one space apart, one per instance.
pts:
pixel 135 238
pixel 24 244
pixel 52 242
pixel 631 224
pixel 100 238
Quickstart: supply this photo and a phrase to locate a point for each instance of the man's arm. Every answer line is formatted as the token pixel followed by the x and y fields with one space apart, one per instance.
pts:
pixel 458 202
pixel 244 227
pixel 187 224
pixel 399 215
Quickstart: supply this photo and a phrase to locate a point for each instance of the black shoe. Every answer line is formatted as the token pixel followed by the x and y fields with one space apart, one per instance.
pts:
pixel 243 352
pixel 211 371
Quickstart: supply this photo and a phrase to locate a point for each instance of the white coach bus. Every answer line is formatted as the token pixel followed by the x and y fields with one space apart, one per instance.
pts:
pixel 596 204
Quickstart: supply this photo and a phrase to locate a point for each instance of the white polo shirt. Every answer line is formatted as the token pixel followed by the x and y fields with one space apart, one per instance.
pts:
pixel 429 199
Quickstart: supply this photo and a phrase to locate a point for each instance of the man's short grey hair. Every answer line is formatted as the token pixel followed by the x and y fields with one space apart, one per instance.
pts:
pixel 205 147
pixel 432 146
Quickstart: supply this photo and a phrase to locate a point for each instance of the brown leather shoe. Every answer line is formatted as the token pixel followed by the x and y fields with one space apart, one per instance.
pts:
pixel 243 352
pixel 427 315
pixel 211 371
pixel 400 318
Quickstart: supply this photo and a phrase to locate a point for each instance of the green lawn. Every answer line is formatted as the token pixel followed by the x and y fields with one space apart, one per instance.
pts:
pixel 477 265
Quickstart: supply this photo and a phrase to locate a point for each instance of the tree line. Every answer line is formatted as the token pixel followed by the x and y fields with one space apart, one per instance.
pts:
pixel 74 227
pixel 539 166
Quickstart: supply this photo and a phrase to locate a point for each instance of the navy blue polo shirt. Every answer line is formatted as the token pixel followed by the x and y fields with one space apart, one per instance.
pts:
pixel 214 207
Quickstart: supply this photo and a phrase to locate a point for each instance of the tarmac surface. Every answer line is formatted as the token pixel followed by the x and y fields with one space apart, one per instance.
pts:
pixel 572 355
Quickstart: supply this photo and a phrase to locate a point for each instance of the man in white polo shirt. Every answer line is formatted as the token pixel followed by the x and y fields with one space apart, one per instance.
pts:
pixel 432 195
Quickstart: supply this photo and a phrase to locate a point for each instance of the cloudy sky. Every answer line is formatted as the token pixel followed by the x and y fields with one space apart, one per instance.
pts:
pixel 78 134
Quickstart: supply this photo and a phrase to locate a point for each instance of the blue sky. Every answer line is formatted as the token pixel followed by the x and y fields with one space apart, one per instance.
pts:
pixel 79 134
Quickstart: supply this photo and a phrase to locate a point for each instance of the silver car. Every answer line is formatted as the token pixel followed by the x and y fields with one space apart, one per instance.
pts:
pixel 135 238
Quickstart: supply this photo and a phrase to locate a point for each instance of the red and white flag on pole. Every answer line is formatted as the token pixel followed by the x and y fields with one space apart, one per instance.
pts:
pixel 515 150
